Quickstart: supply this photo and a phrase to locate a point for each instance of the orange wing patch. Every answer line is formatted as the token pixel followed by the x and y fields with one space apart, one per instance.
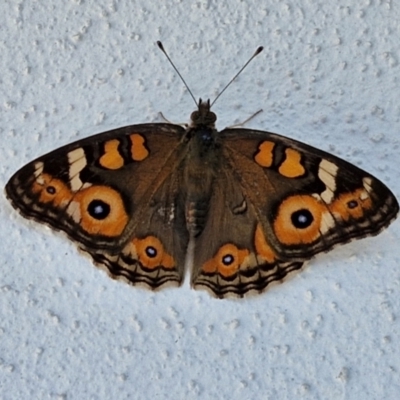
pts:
pixel 263 249
pixel 138 149
pixel 227 261
pixel 265 156
pixel 291 166
pixel 111 159
pixel 152 254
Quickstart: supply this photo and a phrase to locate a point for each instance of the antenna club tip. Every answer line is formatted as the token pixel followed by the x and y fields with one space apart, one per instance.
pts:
pixel 160 45
pixel 259 50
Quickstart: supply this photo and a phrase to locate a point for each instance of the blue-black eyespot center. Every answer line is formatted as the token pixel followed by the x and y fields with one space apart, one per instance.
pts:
pixel 228 259
pixel 98 209
pixel 51 190
pixel 352 204
pixel 302 219
pixel 151 252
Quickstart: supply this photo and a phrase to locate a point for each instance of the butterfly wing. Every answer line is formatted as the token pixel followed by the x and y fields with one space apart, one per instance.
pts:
pixel 278 203
pixel 117 195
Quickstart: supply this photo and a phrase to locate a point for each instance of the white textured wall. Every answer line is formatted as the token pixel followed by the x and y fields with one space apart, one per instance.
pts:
pixel 328 76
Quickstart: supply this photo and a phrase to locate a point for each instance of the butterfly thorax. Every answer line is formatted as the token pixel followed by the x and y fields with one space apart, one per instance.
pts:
pixel 200 167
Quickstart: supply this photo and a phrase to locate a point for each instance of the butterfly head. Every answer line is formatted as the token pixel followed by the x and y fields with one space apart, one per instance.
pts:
pixel 203 115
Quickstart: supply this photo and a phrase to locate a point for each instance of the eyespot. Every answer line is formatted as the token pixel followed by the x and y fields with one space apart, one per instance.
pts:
pixel 302 219
pixel 102 211
pixel 98 209
pixel 352 204
pixel 51 190
pixel 228 259
pixel 151 251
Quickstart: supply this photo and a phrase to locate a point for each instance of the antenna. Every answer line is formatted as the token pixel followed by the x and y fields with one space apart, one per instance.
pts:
pixel 256 53
pixel 160 45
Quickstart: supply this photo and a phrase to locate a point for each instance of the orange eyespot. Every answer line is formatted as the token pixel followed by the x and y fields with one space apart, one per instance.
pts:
pixel 102 211
pixel 352 205
pixel 51 190
pixel 227 261
pixel 151 253
pixel 299 220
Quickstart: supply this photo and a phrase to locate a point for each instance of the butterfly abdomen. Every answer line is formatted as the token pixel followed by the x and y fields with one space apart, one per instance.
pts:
pixel 199 184
pixel 196 217
pixel 200 169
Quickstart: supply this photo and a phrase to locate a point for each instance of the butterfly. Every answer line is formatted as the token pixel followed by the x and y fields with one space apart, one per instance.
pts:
pixel 251 206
